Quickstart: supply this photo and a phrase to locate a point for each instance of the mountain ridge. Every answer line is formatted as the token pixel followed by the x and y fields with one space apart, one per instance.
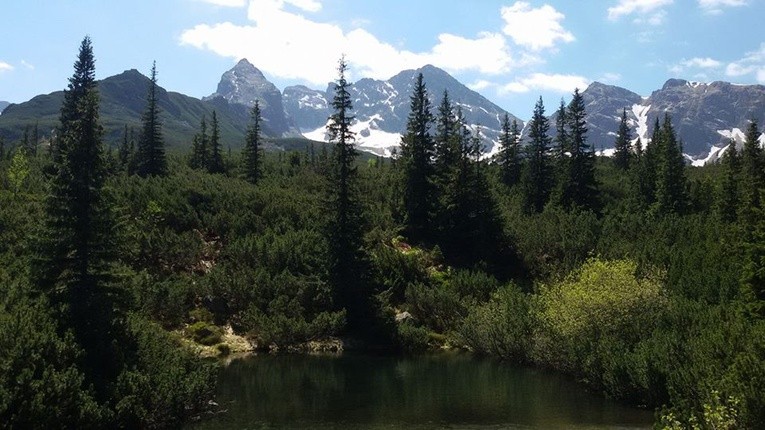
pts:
pixel 705 115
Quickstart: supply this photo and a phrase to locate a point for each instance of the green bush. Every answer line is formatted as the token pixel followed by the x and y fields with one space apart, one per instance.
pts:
pixel 592 323
pixel 412 338
pixel 204 333
pixel 164 384
pixel 502 327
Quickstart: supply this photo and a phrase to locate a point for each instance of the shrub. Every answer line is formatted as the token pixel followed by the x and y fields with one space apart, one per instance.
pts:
pixel 502 327
pixel 205 333
pixel 593 321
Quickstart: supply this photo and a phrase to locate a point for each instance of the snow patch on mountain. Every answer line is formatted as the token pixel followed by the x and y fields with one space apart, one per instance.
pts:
pixel 735 133
pixel 369 137
pixel 641 117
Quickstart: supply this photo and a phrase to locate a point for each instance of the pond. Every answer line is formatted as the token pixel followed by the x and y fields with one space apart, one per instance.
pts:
pixel 448 390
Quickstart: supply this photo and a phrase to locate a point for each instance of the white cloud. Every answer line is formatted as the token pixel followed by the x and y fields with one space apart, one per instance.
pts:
pixel 695 63
pixel 610 78
pixel 715 6
pixel 547 82
pixel 274 43
pixel 753 63
pixel 28 65
pixel 5 67
pixel 306 5
pixel 649 11
pixel 534 28
pixel 226 3
pixel 480 84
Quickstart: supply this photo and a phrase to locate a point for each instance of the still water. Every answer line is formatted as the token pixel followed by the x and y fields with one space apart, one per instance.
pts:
pixel 443 391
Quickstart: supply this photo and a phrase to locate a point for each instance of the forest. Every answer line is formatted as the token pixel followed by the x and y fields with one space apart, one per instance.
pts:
pixel 638 275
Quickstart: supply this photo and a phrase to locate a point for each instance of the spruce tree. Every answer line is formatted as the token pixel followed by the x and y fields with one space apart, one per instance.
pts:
pixel 472 227
pixel 417 151
pixel 73 262
pixel 537 179
pixel 215 160
pixel 509 156
pixel 151 148
pixel 345 226
pixel 752 175
pixel 445 141
pixel 125 152
pixel 582 189
pixel 622 150
pixel 671 195
pixel 252 147
pixel 728 201
pixel 199 147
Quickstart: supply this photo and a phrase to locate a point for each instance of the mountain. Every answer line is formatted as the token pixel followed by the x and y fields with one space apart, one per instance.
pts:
pixel 705 116
pixel 123 98
pixel 3 105
pixel 382 107
pixel 244 84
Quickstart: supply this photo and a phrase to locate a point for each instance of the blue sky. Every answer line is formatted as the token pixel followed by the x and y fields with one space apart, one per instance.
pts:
pixel 510 51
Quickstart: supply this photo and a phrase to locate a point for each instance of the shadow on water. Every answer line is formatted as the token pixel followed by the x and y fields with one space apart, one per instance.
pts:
pixel 450 390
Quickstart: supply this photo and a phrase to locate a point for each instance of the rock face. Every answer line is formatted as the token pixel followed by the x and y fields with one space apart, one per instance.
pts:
pixel 705 116
pixel 604 105
pixel 244 84
pixel 308 109
pixel 382 107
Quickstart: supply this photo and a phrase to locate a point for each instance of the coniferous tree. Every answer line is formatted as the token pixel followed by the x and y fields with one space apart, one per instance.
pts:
pixel 445 141
pixel 728 201
pixel 537 176
pixel 124 153
pixel 752 175
pixel 509 156
pixel 345 227
pixel 199 147
pixel 25 145
pixel 561 155
pixel 75 252
pixel 417 151
pixel 622 150
pixel 252 147
pixel 650 166
pixel 472 227
pixel 151 148
pixel 581 190
pixel 671 196
pixel 215 160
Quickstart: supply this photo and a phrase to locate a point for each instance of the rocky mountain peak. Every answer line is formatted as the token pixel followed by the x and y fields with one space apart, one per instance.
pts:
pixel 244 84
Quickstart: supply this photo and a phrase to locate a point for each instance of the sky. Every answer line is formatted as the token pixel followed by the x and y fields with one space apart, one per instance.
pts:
pixel 512 52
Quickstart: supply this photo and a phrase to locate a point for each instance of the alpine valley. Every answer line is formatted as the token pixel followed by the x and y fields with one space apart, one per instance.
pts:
pixel 706 115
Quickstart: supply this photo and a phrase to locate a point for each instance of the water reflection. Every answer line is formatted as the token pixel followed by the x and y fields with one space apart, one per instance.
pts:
pixel 455 391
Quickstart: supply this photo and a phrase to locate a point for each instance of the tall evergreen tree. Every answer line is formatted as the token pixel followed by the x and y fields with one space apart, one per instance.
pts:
pixel 151 148
pixel 75 251
pixel 509 156
pixel 671 195
pixel 345 227
pixel 580 186
pixel 752 175
pixel 199 147
pixel 125 151
pixel 728 201
pixel 622 150
pixel 537 179
pixel 215 162
pixel 417 151
pixel 650 166
pixel 472 228
pixel 252 147
pixel 445 141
